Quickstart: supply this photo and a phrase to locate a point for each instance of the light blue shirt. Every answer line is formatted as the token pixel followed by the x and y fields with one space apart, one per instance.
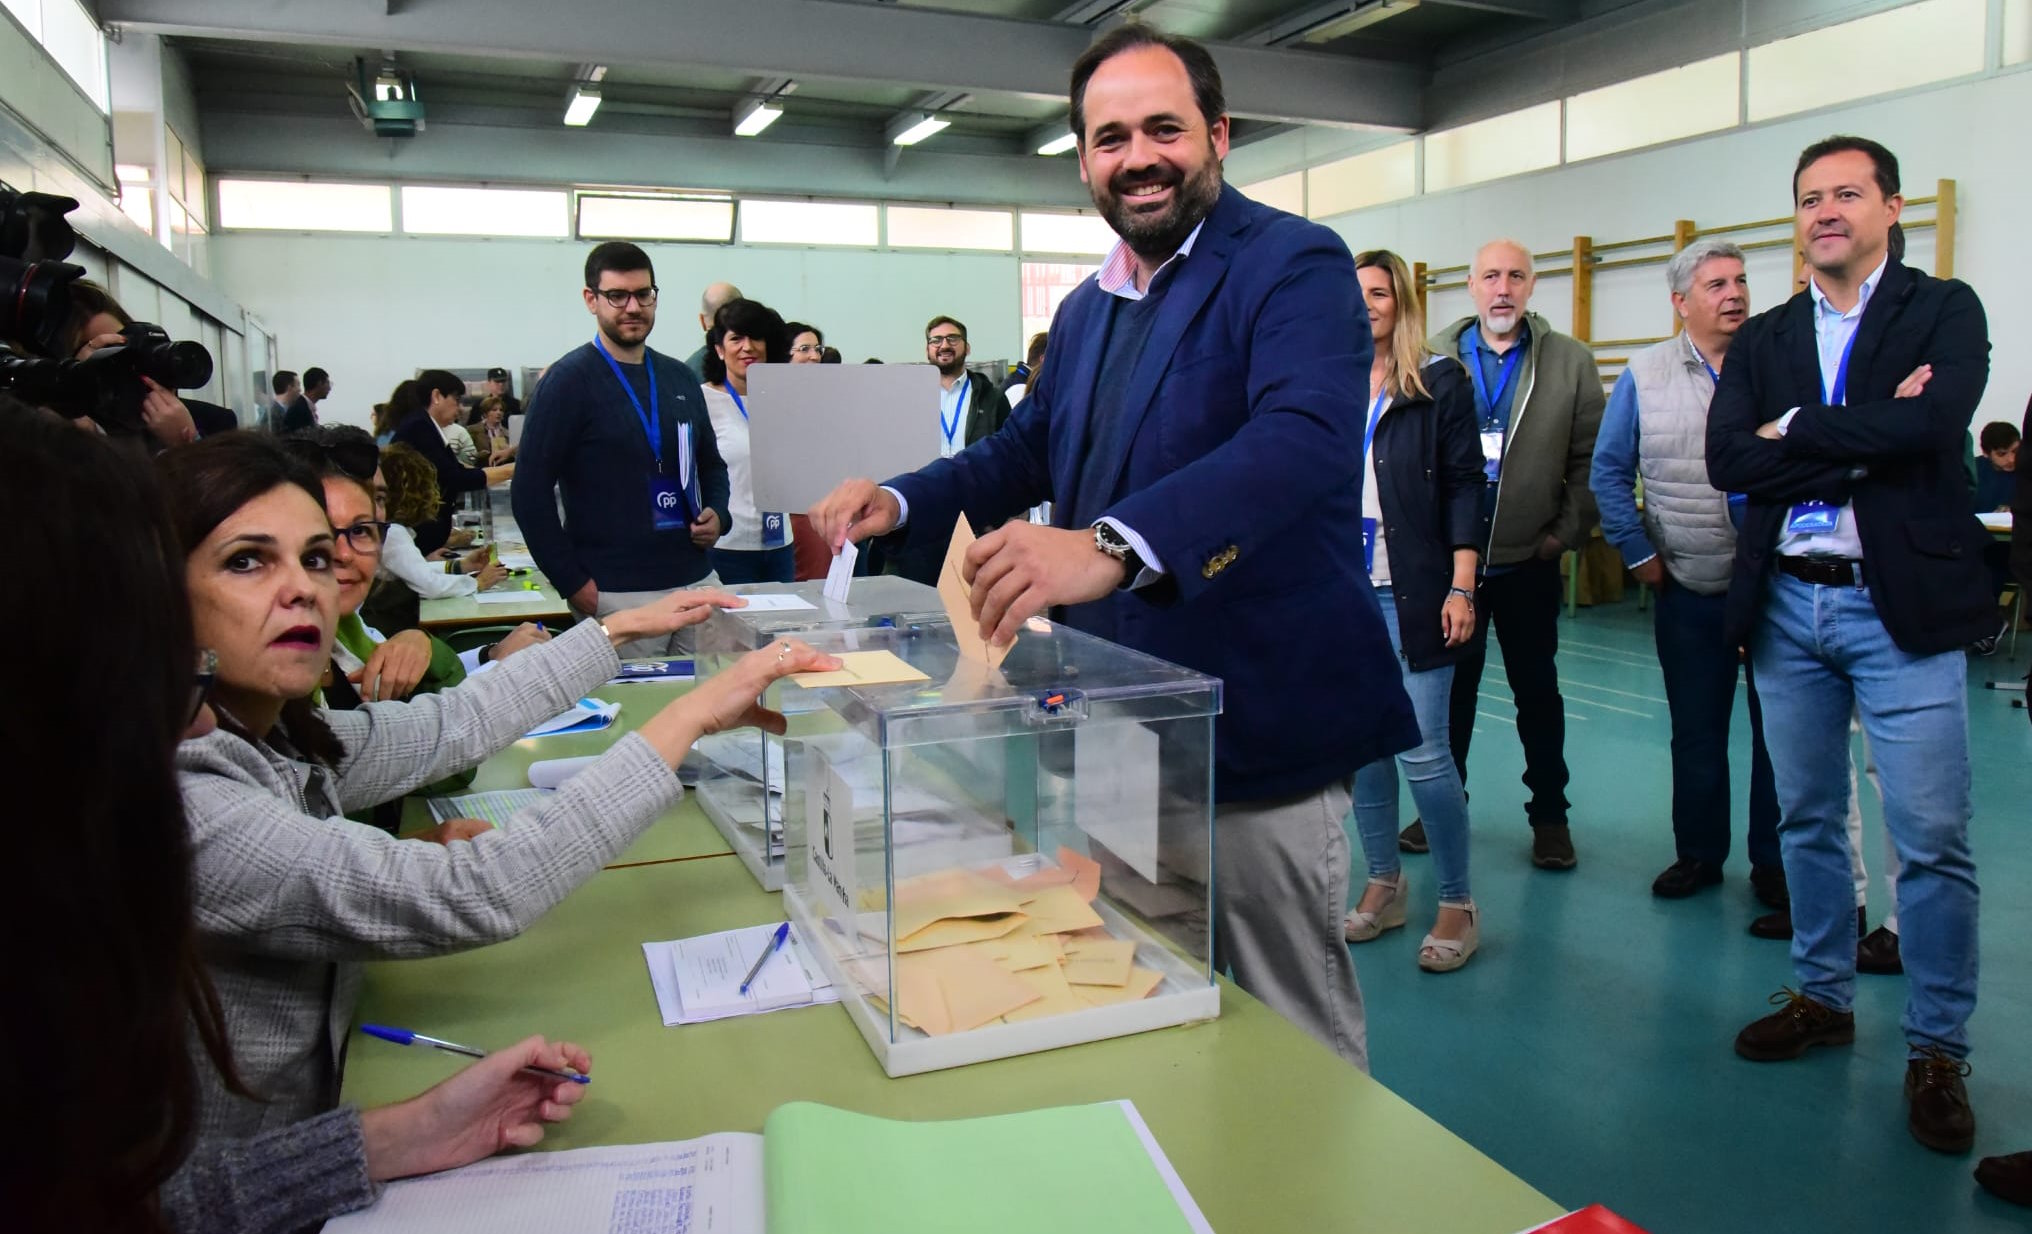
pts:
pixel 1832 331
pixel 1613 476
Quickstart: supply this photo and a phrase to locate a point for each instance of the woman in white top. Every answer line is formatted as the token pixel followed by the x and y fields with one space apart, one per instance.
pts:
pixel 413 500
pixel 756 548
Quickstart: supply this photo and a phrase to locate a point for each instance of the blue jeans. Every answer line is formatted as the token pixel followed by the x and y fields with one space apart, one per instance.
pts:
pixel 1818 651
pixel 768 565
pixel 1700 689
pixel 1435 782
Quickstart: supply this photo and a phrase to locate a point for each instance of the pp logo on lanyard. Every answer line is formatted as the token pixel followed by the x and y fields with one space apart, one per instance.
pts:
pixel 774 532
pixel 1812 518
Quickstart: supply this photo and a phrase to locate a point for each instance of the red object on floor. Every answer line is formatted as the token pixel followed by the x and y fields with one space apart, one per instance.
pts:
pixel 1594 1219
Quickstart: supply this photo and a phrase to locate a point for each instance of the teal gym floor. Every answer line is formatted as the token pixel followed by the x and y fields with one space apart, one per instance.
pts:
pixel 1587 1046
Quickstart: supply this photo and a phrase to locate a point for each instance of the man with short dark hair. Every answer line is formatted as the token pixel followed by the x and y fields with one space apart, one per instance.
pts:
pixel 303 409
pixel 620 435
pixel 424 431
pixel 1858 580
pixel 285 387
pixel 969 405
pixel 499 386
pixel 1996 470
pixel 1216 524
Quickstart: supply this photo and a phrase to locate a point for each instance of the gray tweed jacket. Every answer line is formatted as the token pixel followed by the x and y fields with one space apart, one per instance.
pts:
pixel 290 894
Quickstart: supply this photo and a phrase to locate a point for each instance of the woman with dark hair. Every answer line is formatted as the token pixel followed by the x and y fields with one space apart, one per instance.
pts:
pixel 97 320
pixel 401 402
pixel 756 545
pixel 112 1001
pixel 413 501
pixel 1421 506
pixel 290 894
pixel 807 343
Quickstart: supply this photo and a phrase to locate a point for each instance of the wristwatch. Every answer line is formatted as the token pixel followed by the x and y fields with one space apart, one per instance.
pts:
pixel 1116 545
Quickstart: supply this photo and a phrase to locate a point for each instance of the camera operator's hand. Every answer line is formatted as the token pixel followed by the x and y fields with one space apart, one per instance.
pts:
pixel 97 341
pixel 165 416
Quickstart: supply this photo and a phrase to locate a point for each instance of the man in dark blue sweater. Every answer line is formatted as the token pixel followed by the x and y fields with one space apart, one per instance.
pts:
pixel 621 434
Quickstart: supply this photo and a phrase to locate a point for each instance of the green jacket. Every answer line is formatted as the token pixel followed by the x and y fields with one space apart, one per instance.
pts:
pixel 1543 490
pixel 445 671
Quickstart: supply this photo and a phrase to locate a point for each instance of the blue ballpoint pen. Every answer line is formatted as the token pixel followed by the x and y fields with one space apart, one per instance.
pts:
pixel 403 1036
pixel 775 944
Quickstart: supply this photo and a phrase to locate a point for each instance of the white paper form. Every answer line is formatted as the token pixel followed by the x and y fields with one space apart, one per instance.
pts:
pixel 699 979
pixel 774 602
pixel 496 807
pixel 711 1185
pixel 840 575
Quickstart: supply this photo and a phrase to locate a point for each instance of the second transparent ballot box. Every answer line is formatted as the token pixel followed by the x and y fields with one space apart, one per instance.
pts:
pixel 741 773
pixel 991 862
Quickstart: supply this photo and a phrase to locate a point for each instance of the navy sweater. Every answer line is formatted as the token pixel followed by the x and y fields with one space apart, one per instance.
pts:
pixel 584 443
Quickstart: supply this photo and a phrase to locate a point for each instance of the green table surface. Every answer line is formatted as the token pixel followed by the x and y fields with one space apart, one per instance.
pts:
pixel 1269 1130
pixel 543 604
pixel 682 833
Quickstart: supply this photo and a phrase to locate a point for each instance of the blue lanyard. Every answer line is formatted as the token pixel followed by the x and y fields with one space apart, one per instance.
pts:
pixel 1712 375
pixel 1376 409
pixel 964 387
pixel 1838 393
pixel 738 404
pixel 652 426
pixel 1508 370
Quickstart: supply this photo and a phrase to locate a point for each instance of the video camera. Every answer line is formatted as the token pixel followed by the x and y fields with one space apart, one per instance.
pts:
pixel 35 315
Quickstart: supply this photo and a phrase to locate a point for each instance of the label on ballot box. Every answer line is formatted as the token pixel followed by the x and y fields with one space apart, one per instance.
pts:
pixel 829 826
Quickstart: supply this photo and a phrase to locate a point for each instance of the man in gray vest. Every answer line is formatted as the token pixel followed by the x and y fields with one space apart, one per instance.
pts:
pixel 1682 545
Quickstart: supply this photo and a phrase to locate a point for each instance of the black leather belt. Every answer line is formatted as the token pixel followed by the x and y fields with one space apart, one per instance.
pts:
pixel 1826 571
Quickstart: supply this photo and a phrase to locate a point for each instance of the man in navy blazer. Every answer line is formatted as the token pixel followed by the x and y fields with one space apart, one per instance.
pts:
pixel 1199 433
pixel 1858 580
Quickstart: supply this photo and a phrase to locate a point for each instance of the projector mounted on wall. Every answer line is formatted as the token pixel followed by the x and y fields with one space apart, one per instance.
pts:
pixel 384 99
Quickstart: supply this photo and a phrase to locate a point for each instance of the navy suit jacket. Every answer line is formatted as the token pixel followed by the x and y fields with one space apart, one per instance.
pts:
pixel 1922 548
pixel 1241 467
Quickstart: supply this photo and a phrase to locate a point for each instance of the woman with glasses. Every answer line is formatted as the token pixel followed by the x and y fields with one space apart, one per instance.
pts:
pixel 413 500
pixel 289 893
pixel 756 547
pixel 117 1008
pixel 807 343
pixel 1421 522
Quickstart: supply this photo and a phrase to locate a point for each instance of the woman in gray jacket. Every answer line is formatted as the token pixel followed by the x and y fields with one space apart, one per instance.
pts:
pixel 289 894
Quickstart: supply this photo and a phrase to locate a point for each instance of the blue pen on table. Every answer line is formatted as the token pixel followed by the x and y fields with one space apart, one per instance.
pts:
pixel 403 1036
pixel 775 945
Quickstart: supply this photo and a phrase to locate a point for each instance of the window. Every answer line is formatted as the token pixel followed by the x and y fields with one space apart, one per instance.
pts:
pixel 708 219
pixel 926 227
pixel 28 13
pixel 428 211
pixel 72 38
pixel 1046 284
pixel 186 175
pixel 2017 31
pixel 137 195
pixel 1367 179
pixel 1286 193
pixel 1893 50
pixel 809 222
pixel 1659 107
pixel 1490 149
pixel 297 205
pixel 1067 233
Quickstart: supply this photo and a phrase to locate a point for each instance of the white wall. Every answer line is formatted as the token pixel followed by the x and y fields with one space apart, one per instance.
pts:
pixel 374 309
pixel 1950 132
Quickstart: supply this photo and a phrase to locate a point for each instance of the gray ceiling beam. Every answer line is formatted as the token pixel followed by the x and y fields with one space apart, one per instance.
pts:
pixel 927 48
pixel 1558 12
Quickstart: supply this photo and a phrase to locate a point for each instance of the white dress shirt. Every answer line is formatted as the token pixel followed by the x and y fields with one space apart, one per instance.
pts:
pixel 1832 332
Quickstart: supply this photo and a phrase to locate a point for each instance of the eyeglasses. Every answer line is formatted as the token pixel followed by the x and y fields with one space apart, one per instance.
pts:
pixel 201 687
pixel 944 340
pixel 618 298
pixel 364 538
pixel 807 349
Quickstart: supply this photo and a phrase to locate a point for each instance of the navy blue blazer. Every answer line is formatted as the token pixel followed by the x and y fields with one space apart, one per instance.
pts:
pixel 1243 473
pixel 1903 462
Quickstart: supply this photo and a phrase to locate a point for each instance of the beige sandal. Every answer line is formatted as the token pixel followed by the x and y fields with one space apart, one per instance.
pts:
pixel 1444 955
pixel 1361 927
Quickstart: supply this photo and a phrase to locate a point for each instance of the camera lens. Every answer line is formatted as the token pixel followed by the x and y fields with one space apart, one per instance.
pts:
pixel 35 302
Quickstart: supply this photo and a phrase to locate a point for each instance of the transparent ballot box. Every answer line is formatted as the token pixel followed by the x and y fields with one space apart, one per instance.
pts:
pixel 992 862
pixel 741 777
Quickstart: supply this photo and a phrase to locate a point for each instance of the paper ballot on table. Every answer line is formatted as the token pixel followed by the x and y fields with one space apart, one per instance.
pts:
pixel 863 668
pixel 590 715
pixel 840 575
pixel 495 807
pixel 774 602
pixel 817 1170
pixel 957 595
pixel 699 979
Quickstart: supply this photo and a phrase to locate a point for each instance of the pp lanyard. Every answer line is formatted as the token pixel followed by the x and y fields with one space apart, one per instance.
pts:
pixel 965 387
pixel 652 426
pixel 1509 369
pixel 1838 393
pixel 1376 409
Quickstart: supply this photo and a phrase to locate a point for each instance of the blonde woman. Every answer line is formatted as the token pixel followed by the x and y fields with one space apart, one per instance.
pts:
pixel 1421 525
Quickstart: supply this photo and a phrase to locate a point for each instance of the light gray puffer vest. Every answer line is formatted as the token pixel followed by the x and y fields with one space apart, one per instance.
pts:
pixel 1686 517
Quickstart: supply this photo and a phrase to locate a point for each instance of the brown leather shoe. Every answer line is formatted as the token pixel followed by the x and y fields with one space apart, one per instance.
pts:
pixel 1799 1024
pixel 1878 953
pixel 1767 883
pixel 1776 925
pixel 2007 1178
pixel 1939 1113
pixel 1412 839
pixel 1552 847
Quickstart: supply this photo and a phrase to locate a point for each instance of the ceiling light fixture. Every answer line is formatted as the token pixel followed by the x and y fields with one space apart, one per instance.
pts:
pixel 585 100
pixel 750 120
pixel 910 129
pixel 1058 145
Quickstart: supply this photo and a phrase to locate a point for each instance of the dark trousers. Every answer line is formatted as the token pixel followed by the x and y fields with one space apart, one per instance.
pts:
pixel 1700 689
pixel 769 565
pixel 1522 602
